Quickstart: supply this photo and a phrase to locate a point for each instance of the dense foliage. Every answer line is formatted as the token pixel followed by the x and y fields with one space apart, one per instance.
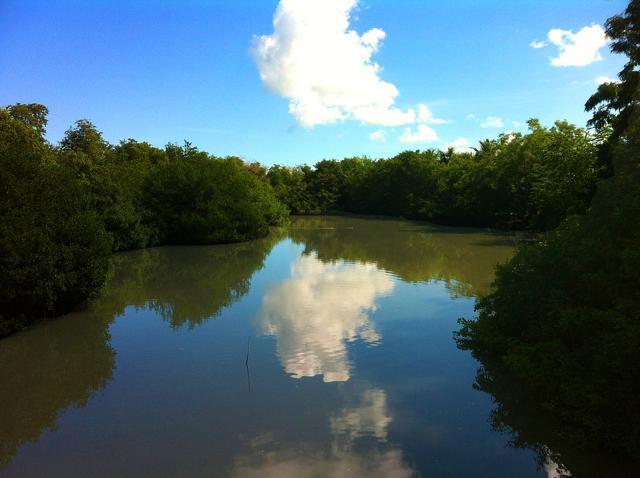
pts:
pixel 562 324
pixel 529 181
pixel 203 200
pixel 67 206
pixel 564 317
pixel 64 209
pixel 53 246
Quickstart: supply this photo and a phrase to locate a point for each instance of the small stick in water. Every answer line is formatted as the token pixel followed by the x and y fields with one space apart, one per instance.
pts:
pixel 246 363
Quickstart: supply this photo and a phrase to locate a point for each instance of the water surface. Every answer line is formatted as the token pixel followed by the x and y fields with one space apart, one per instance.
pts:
pixel 324 350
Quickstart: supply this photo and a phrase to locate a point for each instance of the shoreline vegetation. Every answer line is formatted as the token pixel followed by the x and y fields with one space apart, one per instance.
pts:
pixel 67 207
pixel 561 325
pixel 558 337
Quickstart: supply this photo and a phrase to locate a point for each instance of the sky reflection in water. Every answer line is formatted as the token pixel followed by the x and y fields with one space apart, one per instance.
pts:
pixel 352 368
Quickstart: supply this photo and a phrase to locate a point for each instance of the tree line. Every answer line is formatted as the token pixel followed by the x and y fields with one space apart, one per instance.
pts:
pixel 65 208
pixel 519 181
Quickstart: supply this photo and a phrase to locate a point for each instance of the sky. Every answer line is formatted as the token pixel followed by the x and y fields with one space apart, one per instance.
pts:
pixel 296 81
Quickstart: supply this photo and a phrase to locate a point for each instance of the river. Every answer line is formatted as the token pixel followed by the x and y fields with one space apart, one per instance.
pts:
pixel 323 350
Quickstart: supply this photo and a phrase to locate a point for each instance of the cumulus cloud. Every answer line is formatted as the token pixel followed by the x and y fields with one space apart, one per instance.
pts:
pixel 578 49
pixel 601 80
pixel 325 68
pixel 492 122
pixel 460 145
pixel 379 135
pixel 516 124
pixel 426 116
pixel 318 310
pixel 422 134
pixel 537 44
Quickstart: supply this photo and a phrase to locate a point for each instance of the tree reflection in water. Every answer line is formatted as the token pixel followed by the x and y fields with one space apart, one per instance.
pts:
pixel 532 427
pixel 62 363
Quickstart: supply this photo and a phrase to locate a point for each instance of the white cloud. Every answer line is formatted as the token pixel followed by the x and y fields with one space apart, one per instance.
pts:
pixel 383 116
pixel 516 124
pixel 318 310
pixel 471 116
pixel 605 79
pixel 426 116
pixel 325 68
pixel 460 145
pixel 578 49
pixel 379 135
pixel 537 44
pixel 422 134
pixel 492 122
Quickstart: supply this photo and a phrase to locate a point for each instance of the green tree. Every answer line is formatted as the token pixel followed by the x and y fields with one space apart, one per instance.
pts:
pixel 113 181
pixel 206 200
pixel 53 248
pixel 615 102
pixel 562 324
pixel 291 187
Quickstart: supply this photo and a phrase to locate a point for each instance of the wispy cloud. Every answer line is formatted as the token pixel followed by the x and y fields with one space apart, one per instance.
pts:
pixel 426 116
pixel 380 136
pixel 492 122
pixel 422 134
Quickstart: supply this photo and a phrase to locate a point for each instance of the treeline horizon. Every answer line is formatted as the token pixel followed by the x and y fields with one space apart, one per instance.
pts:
pixel 516 182
pixel 67 207
pixel 529 181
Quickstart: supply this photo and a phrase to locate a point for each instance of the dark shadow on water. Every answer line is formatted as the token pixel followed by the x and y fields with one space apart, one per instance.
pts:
pixel 531 427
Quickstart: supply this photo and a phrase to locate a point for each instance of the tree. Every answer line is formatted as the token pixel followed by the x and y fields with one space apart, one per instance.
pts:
pixel 33 115
pixel 53 248
pixel 206 200
pixel 84 138
pixel 614 102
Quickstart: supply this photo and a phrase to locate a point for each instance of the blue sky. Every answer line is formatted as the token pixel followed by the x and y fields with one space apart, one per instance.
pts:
pixel 172 70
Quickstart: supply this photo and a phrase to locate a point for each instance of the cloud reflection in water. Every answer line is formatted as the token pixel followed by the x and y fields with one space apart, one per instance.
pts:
pixel 368 417
pixel 318 310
